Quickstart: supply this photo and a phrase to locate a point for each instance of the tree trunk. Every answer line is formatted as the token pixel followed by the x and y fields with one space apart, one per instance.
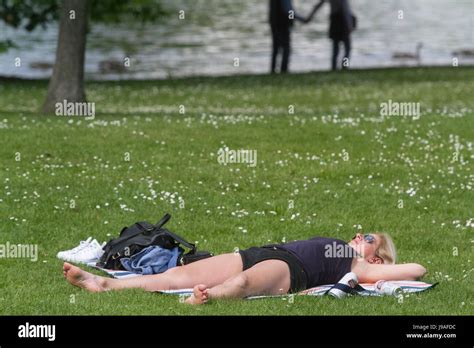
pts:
pixel 67 82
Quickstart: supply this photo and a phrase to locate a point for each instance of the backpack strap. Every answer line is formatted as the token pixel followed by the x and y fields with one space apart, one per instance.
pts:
pixel 181 240
pixel 346 288
pixel 163 221
pixel 136 233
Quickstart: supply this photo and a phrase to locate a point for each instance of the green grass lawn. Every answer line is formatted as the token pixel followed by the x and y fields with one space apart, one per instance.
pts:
pixel 331 168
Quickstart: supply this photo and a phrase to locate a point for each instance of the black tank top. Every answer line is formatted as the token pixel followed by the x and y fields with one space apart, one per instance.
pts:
pixel 325 260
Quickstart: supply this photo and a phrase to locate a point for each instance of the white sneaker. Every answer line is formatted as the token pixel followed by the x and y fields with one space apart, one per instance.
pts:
pixel 88 251
pixel 89 254
pixel 66 255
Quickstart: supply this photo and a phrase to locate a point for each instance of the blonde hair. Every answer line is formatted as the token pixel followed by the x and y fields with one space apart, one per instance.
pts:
pixel 386 249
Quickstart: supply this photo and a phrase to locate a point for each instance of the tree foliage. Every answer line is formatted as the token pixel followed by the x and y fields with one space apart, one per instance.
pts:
pixel 29 14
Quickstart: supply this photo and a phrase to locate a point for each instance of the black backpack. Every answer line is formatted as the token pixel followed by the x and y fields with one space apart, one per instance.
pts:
pixel 143 234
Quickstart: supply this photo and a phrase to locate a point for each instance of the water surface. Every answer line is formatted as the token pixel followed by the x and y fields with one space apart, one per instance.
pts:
pixel 215 32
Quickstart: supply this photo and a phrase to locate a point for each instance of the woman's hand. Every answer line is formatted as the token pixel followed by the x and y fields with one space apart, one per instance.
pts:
pixel 315 9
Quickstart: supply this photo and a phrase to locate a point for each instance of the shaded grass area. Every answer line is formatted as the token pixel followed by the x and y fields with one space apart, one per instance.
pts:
pixel 331 168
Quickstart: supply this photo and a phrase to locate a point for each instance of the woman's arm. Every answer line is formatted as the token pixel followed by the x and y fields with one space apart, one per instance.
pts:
pixel 313 12
pixel 370 273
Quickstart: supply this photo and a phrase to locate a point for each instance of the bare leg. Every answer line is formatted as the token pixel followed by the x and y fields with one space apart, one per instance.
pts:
pixel 270 277
pixel 214 270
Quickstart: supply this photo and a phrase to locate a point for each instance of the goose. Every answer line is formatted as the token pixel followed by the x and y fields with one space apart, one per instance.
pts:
pixel 41 65
pixel 112 66
pixel 407 55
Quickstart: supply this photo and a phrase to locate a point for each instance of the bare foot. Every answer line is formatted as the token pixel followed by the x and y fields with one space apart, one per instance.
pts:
pixel 199 296
pixel 83 279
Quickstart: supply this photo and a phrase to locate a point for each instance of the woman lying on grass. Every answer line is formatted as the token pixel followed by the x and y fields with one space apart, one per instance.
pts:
pixel 270 270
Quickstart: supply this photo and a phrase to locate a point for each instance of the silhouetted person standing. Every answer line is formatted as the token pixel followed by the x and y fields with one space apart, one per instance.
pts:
pixel 282 16
pixel 342 24
pixel 340 29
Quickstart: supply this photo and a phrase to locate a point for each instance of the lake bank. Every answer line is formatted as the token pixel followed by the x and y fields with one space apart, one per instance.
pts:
pixel 392 69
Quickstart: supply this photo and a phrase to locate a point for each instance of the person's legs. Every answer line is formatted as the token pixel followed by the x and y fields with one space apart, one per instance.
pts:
pixel 335 54
pixel 286 46
pixel 347 53
pixel 270 277
pixel 214 270
pixel 275 48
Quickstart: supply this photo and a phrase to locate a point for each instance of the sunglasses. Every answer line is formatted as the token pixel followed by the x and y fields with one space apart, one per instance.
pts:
pixel 368 238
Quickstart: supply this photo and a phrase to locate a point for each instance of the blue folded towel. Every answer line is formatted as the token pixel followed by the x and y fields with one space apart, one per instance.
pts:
pixel 151 260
